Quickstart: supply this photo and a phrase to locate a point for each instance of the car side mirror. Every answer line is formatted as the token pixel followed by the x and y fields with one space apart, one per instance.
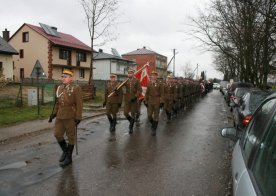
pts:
pixel 230 132
pixel 242 106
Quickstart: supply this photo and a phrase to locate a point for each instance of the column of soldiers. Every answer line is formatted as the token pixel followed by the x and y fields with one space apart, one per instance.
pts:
pixel 173 95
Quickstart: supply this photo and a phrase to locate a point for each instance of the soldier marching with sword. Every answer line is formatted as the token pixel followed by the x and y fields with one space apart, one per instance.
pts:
pixel 68 114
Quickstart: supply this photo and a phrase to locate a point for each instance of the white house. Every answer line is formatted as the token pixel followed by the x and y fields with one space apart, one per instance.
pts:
pixel 105 64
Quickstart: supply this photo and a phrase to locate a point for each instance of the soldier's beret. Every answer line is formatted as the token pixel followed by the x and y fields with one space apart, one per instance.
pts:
pixel 68 72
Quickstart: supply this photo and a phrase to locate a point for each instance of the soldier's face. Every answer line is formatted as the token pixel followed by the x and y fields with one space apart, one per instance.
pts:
pixel 153 77
pixel 66 79
pixel 130 75
pixel 112 79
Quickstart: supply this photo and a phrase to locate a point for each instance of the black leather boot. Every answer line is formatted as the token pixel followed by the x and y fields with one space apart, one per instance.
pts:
pixel 114 122
pixel 154 127
pixel 63 146
pixel 110 122
pixel 131 124
pixel 68 157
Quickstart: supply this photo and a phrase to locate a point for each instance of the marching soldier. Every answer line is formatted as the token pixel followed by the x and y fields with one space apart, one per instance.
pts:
pixel 132 91
pixel 114 102
pixel 169 96
pixel 154 101
pixel 68 113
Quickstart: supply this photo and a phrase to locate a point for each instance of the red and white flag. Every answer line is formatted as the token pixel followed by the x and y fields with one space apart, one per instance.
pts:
pixel 143 77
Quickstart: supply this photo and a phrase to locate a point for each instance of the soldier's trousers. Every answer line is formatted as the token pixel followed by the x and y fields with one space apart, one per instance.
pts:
pixel 65 126
pixel 153 111
pixel 112 109
pixel 130 107
pixel 168 104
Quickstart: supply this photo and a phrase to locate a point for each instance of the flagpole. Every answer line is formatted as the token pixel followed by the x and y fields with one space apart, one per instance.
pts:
pixel 117 88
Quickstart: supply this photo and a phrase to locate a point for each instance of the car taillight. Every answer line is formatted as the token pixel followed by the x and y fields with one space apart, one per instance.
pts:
pixel 246 120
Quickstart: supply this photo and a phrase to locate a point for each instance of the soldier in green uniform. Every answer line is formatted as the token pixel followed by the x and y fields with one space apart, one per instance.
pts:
pixel 114 102
pixel 68 113
pixel 132 91
pixel 154 101
pixel 169 96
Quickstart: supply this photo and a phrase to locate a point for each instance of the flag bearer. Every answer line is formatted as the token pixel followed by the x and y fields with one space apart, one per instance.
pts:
pixel 132 91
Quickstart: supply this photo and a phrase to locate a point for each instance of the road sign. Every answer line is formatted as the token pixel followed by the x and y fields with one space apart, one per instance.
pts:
pixel 38 71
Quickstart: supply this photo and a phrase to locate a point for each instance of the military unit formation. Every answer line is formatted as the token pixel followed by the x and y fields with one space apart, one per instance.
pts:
pixel 172 95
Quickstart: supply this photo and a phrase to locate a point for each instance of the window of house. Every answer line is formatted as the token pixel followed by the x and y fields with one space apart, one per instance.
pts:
pixel 21 73
pixel 81 73
pixel 25 36
pixel 117 67
pixel 64 54
pixel 21 53
pixel 81 56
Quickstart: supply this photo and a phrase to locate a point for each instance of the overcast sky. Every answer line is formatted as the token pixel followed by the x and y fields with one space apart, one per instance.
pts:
pixel 158 25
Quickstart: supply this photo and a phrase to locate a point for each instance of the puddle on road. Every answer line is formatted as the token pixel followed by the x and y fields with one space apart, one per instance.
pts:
pixel 15 183
pixel 16 165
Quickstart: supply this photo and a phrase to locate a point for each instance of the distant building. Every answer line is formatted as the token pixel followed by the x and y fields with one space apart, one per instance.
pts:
pixel 54 50
pixel 141 56
pixel 105 64
pixel 6 58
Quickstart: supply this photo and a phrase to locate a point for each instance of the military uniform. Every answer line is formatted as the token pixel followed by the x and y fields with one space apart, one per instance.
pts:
pixel 132 91
pixel 153 99
pixel 113 103
pixel 68 113
pixel 169 96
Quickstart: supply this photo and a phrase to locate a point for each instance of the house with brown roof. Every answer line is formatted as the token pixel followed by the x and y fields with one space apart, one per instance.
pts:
pixel 6 60
pixel 143 55
pixel 54 50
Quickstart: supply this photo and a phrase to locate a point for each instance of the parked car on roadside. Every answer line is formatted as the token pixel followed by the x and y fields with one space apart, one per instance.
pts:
pixel 254 154
pixel 216 86
pixel 232 88
pixel 246 106
pixel 223 86
pixel 238 93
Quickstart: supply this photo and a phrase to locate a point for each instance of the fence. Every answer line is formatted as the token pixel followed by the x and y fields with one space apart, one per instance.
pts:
pixel 20 93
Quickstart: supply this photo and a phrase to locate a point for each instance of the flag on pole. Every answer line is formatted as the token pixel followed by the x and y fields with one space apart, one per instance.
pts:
pixel 143 77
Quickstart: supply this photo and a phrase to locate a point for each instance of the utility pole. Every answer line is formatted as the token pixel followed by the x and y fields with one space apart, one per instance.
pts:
pixel 197 71
pixel 174 62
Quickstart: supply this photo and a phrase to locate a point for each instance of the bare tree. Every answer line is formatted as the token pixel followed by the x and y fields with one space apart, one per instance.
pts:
pixel 101 16
pixel 187 70
pixel 244 32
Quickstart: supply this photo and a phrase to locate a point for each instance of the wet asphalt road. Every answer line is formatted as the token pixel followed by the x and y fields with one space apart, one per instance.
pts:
pixel 187 157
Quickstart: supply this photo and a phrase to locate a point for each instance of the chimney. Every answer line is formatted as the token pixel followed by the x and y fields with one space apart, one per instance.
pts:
pixel 6 35
pixel 101 50
pixel 144 47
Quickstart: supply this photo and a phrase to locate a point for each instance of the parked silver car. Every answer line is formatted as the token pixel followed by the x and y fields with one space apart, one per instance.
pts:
pixel 254 154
